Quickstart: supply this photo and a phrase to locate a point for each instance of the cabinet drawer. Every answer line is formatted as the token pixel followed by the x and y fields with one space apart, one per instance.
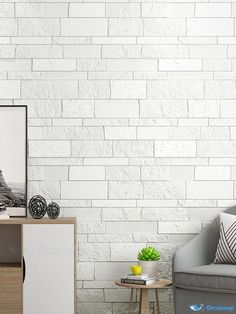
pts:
pixel 10 290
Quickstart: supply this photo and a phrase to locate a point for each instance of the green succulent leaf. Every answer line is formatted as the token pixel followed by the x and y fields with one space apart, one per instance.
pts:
pixel 149 254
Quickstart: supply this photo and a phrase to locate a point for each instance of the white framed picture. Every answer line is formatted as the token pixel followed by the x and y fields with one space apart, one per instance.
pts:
pixel 13 160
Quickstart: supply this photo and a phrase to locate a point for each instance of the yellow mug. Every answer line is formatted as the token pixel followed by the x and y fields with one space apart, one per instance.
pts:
pixel 136 270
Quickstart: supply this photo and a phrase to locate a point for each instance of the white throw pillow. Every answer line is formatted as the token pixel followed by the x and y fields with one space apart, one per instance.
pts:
pixel 226 249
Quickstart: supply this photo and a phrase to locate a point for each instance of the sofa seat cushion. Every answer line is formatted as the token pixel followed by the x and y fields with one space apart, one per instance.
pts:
pixel 208 277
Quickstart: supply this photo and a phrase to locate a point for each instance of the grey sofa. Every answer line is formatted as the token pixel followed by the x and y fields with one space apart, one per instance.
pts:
pixel 198 284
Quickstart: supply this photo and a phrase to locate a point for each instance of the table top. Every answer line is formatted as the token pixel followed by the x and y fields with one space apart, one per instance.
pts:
pixel 160 284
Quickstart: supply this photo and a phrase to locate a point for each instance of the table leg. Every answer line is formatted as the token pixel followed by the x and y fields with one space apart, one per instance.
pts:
pixel 144 303
pixel 131 300
pixel 158 304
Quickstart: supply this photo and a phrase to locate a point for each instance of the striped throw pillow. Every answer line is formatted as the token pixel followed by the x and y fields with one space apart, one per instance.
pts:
pixel 226 249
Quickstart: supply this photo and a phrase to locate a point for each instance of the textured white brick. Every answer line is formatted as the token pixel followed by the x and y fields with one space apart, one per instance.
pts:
pixel 167 9
pixel 114 40
pixel 220 89
pixel 39 51
pixel 212 173
pixel 210 27
pixel 41 108
pixel 85 271
pixel 55 173
pixel 50 190
pixel 166 51
pixel 116 108
pixel 164 190
pixel 122 173
pixel 15 65
pixel 91 148
pixel 83 190
pixel 215 133
pixel 125 27
pixel 216 148
pixel 114 203
pixel 38 27
pixel 152 133
pixel 114 295
pixel 216 65
pixel 180 64
pixel 203 108
pixel 175 148
pixel 121 214
pixel 84 27
pixel 54 65
pixel 127 253
pixel 164 27
pixel 111 238
pixel 174 89
pixel 8 27
pixel 88 51
pixel 7 10
pixel 110 271
pixel 84 214
pixel 87 173
pixel 208 51
pixel 213 10
pixel 116 133
pixel 123 10
pixel 78 108
pixel 128 89
pixel 94 89
pixel 87 10
pixel 110 75
pixel 164 214
pixel 91 227
pixel 163 108
pixel 49 89
pixel 49 149
pixel 155 173
pixel 179 227
pixel 168 133
pixel 228 109
pixel 9 89
pixel 121 51
pixel 132 227
pixel 41 9
pixel 91 65
pixel 125 190
pixel 106 161
pixel 210 190
pixel 94 252
pixel 131 65
pixel 133 149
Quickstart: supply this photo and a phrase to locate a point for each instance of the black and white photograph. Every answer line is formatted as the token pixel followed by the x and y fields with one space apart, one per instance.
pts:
pixel 13 136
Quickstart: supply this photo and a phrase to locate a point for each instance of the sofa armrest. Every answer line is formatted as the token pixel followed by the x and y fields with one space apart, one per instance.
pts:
pixel 199 251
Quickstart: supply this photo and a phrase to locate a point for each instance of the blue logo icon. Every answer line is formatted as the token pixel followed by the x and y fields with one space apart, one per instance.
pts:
pixel 197 308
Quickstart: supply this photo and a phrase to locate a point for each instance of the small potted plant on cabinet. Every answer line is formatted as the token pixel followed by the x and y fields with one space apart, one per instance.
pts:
pixel 148 258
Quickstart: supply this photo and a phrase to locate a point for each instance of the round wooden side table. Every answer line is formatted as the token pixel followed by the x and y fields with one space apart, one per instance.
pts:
pixel 144 303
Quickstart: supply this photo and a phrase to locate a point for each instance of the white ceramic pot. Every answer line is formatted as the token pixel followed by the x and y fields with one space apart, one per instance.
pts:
pixel 149 268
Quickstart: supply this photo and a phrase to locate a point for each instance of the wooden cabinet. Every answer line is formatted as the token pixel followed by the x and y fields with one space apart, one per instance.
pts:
pixel 10 290
pixel 37 266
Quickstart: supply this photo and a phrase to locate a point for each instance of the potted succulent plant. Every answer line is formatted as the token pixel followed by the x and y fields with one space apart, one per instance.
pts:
pixel 148 258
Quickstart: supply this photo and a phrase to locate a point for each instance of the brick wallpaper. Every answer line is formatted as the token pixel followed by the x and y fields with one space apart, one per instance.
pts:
pixel 132 124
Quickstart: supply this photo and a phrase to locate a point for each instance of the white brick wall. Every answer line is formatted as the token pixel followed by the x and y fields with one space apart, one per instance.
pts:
pixel 132 123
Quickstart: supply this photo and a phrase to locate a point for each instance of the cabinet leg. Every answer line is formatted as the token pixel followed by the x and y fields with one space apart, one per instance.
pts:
pixel 158 304
pixel 144 303
pixel 131 300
